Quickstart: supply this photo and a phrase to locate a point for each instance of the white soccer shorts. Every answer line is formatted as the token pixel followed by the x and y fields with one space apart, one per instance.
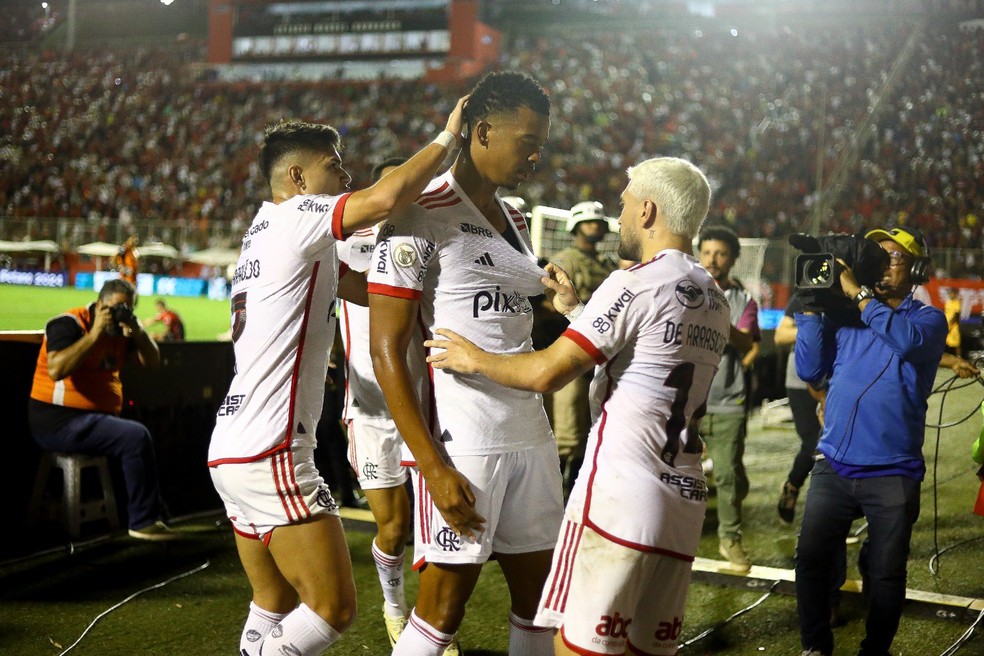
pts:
pixel 520 495
pixel 280 490
pixel 602 595
pixel 375 453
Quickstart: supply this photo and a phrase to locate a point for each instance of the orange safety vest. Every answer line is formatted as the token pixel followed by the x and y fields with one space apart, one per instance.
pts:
pixel 95 384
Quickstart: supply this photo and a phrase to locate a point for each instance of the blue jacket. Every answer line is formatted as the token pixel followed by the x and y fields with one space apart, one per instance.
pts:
pixel 881 373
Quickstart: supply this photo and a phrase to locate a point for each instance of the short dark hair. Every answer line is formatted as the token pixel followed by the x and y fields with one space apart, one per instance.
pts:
pixel 505 91
pixel 721 233
pixel 377 171
pixel 117 286
pixel 290 136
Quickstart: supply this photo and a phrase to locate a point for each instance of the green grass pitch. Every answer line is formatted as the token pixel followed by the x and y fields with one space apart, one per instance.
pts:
pixel 29 308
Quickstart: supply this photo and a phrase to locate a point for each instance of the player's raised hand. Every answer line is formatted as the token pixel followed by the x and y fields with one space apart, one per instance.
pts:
pixel 560 289
pixel 456 353
pixel 452 494
pixel 457 119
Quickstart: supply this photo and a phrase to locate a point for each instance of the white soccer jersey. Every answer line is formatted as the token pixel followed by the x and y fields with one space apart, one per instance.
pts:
pixel 468 278
pixel 657 332
pixel 283 324
pixel 363 398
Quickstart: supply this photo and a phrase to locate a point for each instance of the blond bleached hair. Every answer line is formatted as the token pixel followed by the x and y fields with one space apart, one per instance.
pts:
pixel 678 188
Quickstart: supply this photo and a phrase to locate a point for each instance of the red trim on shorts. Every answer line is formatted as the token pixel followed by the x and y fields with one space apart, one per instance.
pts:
pixel 585 345
pixel 396 292
pixel 248 536
pixel 638 546
pixel 286 502
pixel 239 461
pixel 292 477
pixel 336 217
pixel 576 649
pixel 560 582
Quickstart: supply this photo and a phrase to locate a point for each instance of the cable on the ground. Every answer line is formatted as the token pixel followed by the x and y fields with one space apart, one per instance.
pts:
pixel 932 560
pixel 952 649
pixel 135 594
pixel 739 613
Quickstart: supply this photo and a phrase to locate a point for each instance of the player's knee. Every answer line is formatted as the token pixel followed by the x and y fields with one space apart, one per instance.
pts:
pixel 337 606
pixel 392 536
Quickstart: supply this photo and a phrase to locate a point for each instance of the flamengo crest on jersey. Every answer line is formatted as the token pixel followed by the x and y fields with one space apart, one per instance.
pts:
pixel 283 324
pixel 468 278
pixel 657 332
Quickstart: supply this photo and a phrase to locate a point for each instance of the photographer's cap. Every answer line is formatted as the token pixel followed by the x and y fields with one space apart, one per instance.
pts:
pixel 907 240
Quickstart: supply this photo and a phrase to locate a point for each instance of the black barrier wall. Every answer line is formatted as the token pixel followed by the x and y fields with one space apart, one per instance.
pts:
pixel 176 402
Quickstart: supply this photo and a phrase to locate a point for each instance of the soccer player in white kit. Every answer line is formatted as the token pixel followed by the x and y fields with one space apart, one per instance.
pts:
pixel 491 481
pixel 286 524
pixel 656 331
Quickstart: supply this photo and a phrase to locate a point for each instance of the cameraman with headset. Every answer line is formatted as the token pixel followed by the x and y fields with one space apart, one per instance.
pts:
pixel 881 366
pixel 77 397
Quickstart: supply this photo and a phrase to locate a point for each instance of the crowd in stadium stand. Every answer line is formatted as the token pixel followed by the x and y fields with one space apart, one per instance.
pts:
pixel 133 135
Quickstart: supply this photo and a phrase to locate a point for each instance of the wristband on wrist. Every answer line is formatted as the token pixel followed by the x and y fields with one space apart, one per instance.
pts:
pixel 446 139
pixel 576 312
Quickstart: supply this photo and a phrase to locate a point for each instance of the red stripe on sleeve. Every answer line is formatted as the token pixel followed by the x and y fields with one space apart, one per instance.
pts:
pixel 585 344
pixel 396 292
pixel 336 217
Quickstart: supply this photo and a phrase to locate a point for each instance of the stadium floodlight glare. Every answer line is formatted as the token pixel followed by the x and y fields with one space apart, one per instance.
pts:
pixel 166 3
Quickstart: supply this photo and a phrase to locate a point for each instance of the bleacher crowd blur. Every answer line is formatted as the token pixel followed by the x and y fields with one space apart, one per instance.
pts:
pixel 884 117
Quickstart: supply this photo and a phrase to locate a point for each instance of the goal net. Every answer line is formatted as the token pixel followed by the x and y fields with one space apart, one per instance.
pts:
pixel 548 231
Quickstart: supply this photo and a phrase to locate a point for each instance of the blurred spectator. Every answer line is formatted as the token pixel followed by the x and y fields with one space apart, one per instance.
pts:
pixel 173 327
pixel 126 260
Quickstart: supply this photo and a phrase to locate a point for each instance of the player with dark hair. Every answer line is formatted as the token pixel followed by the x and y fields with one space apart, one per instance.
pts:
pixel 375 445
pixel 633 522
pixel 286 524
pixel 487 477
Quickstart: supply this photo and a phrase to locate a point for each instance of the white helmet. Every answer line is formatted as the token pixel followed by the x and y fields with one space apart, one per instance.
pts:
pixel 589 210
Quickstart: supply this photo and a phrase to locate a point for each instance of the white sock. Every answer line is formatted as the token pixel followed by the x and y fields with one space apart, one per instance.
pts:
pixel 421 639
pixel 303 632
pixel 527 639
pixel 390 570
pixel 258 624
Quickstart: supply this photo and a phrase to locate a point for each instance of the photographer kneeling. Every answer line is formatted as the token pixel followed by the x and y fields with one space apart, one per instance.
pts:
pixel 881 364
pixel 77 397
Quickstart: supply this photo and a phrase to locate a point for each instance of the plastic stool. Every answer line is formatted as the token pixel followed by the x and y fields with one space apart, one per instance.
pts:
pixel 76 511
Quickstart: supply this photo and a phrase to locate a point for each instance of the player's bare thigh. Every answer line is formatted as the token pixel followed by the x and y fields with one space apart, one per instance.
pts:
pixel 525 574
pixel 314 558
pixel 444 591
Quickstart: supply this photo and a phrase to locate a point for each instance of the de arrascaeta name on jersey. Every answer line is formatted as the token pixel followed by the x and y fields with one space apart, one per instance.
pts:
pixel 696 335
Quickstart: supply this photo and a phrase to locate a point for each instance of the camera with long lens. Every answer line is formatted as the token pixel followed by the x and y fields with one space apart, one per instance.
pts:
pixel 818 271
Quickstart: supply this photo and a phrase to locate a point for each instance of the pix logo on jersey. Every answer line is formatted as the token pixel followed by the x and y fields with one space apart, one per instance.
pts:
pixel 497 301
